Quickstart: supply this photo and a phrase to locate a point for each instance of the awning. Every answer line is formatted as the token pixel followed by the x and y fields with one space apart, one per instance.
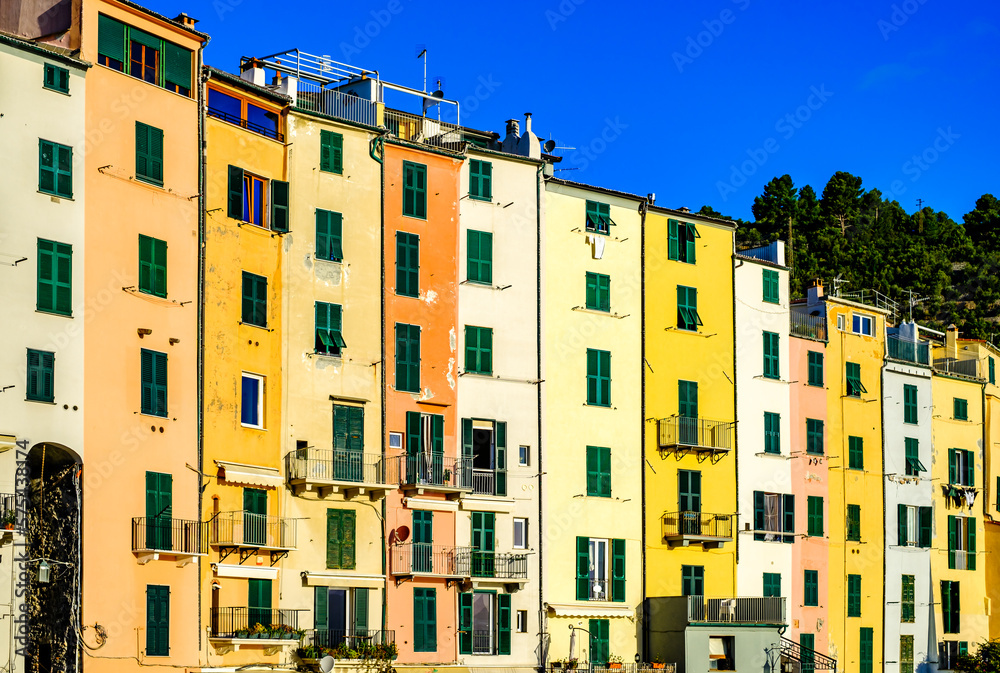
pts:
pixel 7 442
pixel 249 475
pixel 716 648
pixel 573 610
pixel 249 572
pixel 342 580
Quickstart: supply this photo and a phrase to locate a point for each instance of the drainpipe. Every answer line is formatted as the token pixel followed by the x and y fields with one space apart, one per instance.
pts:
pixel 736 434
pixel 378 143
pixel 643 208
pixel 885 509
pixel 200 395
pixel 538 376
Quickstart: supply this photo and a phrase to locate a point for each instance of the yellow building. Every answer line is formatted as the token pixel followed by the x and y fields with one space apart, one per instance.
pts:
pixel 958 564
pixel 247 217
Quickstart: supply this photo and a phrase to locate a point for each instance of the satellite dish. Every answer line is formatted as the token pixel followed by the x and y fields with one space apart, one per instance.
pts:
pixel 327 663
pixel 402 533
pixel 549 146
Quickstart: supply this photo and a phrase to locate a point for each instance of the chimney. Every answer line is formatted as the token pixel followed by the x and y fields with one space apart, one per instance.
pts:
pixel 815 292
pixel 527 122
pixel 253 72
pixel 185 20
pixel 529 145
pixel 951 342
pixel 684 209
pixel 509 143
pixel 651 197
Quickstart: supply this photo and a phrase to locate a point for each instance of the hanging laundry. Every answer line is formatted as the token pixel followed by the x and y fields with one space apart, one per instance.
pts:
pixel 970 497
pixel 599 247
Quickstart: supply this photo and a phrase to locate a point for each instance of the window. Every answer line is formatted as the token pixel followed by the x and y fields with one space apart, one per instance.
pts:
pixel 331 152
pixel 338 601
pixel 599 471
pixel 772 363
pixel 687 308
pixel 599 641
pixel 483 623
pixel 773 514
pixel 840 322
pixel 856 453
pixel 867 650
pixel 854 385
pixel 693 580
pixel 55 169
pixel 139 54
pixel 811 588
pixel 148 154
pixel 55 278
pixel 600 569
pixel 814 522
pixel 479 262
pixel 914 526
pixel 232 108
pixel 598 377
pixel 948 653
pixel 154 383
pixel 348 442
pixel 598 217
pixel 478 350
pixel 912 452
pixel 157 620
pixel 329 329
pixel 329 235
pixel 961 467
pixel 424 620
pixel 722 653
pixel 524 455
pixel 480 180
pixel 56 78
pixel 906 654
pixel 252 401
pixel 961 409
pixel 483 544
pixel 259 593
pixel 254 300
pixel 407 264
pixel 520 533
pixel 598 292
pixel 340 539
pixel 41 376
pixel 951 607
pixel 854 523
pixel 909 404
pixel 814 436
pixel 414 190
pixel 159 506
pixel 815 368
pixel 854 595
pixel 680 241
pixel 408 358
pixel 772 585
pixel 689 500
pixel 772 432
pixel 908 597
pixel 961 543
pixel 522 621
pixel 250 197
pixel 152 266
pixel 862 324
pixel 771 292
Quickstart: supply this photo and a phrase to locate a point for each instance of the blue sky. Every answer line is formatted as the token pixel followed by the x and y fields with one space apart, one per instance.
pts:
pixel 701 103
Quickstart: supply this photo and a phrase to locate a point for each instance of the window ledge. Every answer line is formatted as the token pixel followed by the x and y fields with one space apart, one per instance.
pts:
pixel 250 324
pixel 148 415
pixel 52 401
pixel 681 330
pixel 768 454
pixel 761 377
pixel 600 406
pixel 253 427
pixel 61 315
pixel 597 311
pixel 56 196
pixel 328 261
pixel 481 199
pixel 325 356
pixel 48 88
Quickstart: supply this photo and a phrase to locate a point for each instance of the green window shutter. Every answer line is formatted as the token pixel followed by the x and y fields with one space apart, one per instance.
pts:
pixel 993 371
pixel 465 622
pixel 500 439
pixel 599 641
pixel 333 534
pixel 111 38
pixel 413 442
pixel 340 422
pixel 970 543
pixel 177 65
pixel 55 169
pixel 961 409
pixel 815 368
pixel 348 544
pixel 235 199
pixel 329 235
pixel 854 523
pixel 925 519
pixel 854 595
pixel 758 514
pixel 56 78
pixel 157 621
pixel 598 292
pixel 407 264
pixel 598 377
pixel 437 433
pixel 414 190
pixel 582 568
pixel 772 362
pixel 40 376
pixel 789 511
pixel 901 531
pixel 159 510
pixel 772 585
pixel 331 158
pixel 814 506
pixel 687 395
pixel 856 453
pixel 503 625
pixel 479 256
pixel 356 429
pixel 467 438
pixel 593 471
pixel 148 154
pixel 360 610
pixel 814 436
pixel 618 570
pixel 811 587
pixel 279 206
pixel 953 467
pixel 152 266
pixel 771 286
pixel 153 372
pixel 867 649
pixel 772 432
pixel 591 291
pixel 476 187
pixel 952 540
pixel 673 240
pixel 946 606
pixel 478 350
pixel 321 609
pixel 909 404
pixel 55 277
pixel 908 597
pixel 424 620
pixel 970 468
pixel 254 307
pixel 408 358
pixel 145 39
pixel 691 233
pixel 854 385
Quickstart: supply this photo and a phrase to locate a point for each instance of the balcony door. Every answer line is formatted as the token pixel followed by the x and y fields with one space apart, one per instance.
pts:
pixel 483 458
pixel 254 516
pixel 348 442
pixel 259 603
pixel 159 501
pixel 483 544
pixel 423 536
pixel 687 411
pixel 482 622
pixel 689 497
pixel 599 570
pixel 425 449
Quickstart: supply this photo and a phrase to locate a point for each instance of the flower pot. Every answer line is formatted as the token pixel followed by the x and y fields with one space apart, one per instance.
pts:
pixel 655 665
pixel 615 665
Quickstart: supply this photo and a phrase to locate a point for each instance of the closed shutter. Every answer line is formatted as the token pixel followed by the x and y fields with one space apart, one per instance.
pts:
pixel 111 38
pixel 331 152
pixel 970 543
pixel 465 622
pixel 340 421
pixel 348 545
pixel 500 439
pixel 235 200
pixel 582 568
pixel 901 537
pixel 603 292
pixel 772 585
pixel 758 514
pixel 148 153
pixel 333 533
pixel 485 180
pixel 157 621
pixel 407 264
pixel 592 376
pixel 599 645
pixel 475 189
pixel 592 290
pixel 689 489
pixel 55 277
pixel 279 206
pixel 479 256
pixel 605 377
pixel 789 502
pixel 946 606
pixel 321 609
pixel 926 517
pixel 361 610
pixel 177 65
pixel 414 190
pixel 593 471
pixel 503 622
pixel 970 468
pixel 618 570
pixel 424 620
pixel 867 650
pixel 152 266
pixel 687 393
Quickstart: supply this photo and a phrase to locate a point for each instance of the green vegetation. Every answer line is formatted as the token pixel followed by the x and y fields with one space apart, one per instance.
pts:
pixel 873 244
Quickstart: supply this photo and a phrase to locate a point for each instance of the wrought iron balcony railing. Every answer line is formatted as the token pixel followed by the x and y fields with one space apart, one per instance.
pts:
pixel 246 529
pixel 963 367
pixel 271 133
pixel 498 565
pixel 486 482
pixel 704 527
pixel 160 535
pixel 805 325
pixel 908 351
pixel 705 610
pixel 239 622
pixel 696 433
pixel 353 638
pixel 435 472
pixel 351 472
pixel 420 558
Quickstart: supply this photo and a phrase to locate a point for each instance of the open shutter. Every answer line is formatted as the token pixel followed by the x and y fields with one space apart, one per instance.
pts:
pixel 347 540
pixel 323 247
pixel 690 233
pixel 235 205
pixel 789 519
pixel 925 515
pixel 360 610
pixel 758 513
pixel 413 433
pixel 279 206
pixel 500 435
pixel 582 568
pixel 465 622
pixel 901 536
pixel 333 527
pixel 672 240
pixel 321 597
pixel 946 606
pixel 970 468
pixel 336 240
pixel 952 541
pixel 503 607
pixel 618 570
pixel 970 543
pixel 437 433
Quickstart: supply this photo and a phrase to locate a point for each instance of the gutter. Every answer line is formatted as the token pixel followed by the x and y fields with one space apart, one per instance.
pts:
pixel 376 144
pixel 538 375
pixel 202 186
pixel 643 208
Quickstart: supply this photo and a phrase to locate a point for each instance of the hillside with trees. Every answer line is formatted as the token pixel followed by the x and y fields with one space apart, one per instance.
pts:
pixel 873 244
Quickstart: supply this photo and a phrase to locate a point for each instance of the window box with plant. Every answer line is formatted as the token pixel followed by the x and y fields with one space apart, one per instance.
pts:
pixel 615 661
pixel 9 519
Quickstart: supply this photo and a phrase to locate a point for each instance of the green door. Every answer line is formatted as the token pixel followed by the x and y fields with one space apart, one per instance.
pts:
pixel 689 492
pixel 423 536
pixel 599 642
pixel 483 542
pixel 159 499
pixel 348 443
pixel 687 410
pixel 772 585
pixel 254 516
pixel 867 650
pixel 424 620
pixel 259 603
pixel 807 642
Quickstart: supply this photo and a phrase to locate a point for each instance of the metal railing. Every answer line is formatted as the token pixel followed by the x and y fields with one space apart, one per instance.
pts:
pixel 353 638
pixel 9 511
pixel 237 622
pixel 421 558
pixel 698 524
pixel 501 565
pixel 805 325
pixel 334 103
pixel 769 610
pixel 150 533
pixel 483 642
pixel 908 351
pixel 435 470
pixel 484 482
pixel 809 660
pixel 424 130
pixel 701 432
pixel 962 367
pixel 246 529
pixel 602 667
pixel 314 465
pixel 964 560
pixel 870 298
pixel 250 126
pixel 598 589
pixel 765 253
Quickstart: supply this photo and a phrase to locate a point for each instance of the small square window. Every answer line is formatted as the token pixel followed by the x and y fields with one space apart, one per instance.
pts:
pixel 522 621
pixel 252 401
pixel 56 78
pixel 862 324
pixel 524 455
pixel 395 440
pixel 520 533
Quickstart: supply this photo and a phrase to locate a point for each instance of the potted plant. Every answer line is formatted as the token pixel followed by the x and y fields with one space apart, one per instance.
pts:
pixel 658 662
pixel 242 633
pixel 557 663
pixel 259 631
pixel 9 519
pixel 571 663
pixel 447 476
pixel 615 661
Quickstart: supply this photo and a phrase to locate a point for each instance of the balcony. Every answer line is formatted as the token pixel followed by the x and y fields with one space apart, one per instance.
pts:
pixel 958 367
pixel 248 533
pixel 435 473
pixel 8 511
pixel 338 471
pixel 745 611
pixel 333 103
pixel 273 629
pixel 809 326
pixel 360 640
pixel 496 568
pixel 908 351
pixel 711 530
pixel 424 130
pixel 421 559
pixel 683 433
pixel 153 537
pixel 486 482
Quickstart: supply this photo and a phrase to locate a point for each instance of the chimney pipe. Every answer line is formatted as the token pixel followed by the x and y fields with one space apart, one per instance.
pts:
pixel 951 342
pixel 185 20
pixel 527 122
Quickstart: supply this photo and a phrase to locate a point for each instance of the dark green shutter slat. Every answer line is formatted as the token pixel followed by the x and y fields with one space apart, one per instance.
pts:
pixel 177 65
pixel 503 625
pixel 465 622
pixel 789 523
pixel 501 447
pixel 582 568
pixel 235 204
pixel 279 206
pixel 618 570
pixel 758 513
pixel 901 525
pixel 333 527
pixel 321 602
pixel 925 515
pixel 360 610
pixel 111 38
pixel 970 543
pixel 144 38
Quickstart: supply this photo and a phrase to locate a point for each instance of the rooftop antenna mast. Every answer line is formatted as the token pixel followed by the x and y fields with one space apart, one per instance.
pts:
pixel 837 282
pixel 914 301
pixel 423 55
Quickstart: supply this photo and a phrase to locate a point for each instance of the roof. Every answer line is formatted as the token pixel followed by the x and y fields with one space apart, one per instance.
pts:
pixel 177 24
pixel 602 190
pixel 688 214
pixel 48 51
pixel 249 86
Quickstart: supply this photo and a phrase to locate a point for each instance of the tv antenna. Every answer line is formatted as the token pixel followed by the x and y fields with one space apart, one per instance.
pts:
pixel 837 282
pixel 914 301
pixel 920 204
